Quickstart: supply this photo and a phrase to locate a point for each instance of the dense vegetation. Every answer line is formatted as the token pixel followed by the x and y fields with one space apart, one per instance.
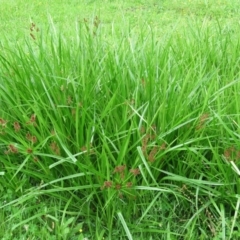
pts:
pixel 112 132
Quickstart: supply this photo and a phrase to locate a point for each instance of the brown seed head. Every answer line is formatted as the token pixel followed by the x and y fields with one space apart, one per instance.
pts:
pixel 118 186
pixel 12 148
pixel 129 184
pixel 135 171
pixel 16 126
pixel 119 169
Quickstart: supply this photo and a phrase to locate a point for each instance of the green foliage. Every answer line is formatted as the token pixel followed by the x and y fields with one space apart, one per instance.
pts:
pixel 121 133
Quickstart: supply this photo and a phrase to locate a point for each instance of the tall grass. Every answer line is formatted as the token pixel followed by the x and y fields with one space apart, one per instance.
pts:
pixel 123 136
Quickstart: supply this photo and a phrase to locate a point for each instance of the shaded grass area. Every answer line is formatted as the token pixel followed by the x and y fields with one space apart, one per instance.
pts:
pixel 121 133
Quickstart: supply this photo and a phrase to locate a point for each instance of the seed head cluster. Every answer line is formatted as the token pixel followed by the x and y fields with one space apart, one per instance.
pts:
pixel 150 152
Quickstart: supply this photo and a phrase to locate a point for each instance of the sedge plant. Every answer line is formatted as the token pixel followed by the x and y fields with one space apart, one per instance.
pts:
pixel 127 137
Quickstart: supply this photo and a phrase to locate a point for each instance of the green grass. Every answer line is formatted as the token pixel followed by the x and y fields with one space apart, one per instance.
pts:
pixel 119 120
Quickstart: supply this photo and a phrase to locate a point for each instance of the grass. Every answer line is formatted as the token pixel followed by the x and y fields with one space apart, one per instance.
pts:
pixel 112 132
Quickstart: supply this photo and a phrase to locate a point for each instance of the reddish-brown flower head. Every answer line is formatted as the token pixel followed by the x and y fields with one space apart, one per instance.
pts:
pixel 16 126
pixel 12 148
pixel 135 171
pixel 29 150
pixel 107 184
pixel 119 169
pixel 129 184
pixel 3 122
pixel 118 186
pixel 32 120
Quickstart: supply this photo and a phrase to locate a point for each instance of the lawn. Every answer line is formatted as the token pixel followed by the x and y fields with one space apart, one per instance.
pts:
pixel 119 120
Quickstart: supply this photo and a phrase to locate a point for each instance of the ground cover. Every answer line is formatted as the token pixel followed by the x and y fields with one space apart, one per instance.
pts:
pixel 119 120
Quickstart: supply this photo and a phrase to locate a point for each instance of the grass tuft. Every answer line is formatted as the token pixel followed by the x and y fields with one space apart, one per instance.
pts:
pixel 113 133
